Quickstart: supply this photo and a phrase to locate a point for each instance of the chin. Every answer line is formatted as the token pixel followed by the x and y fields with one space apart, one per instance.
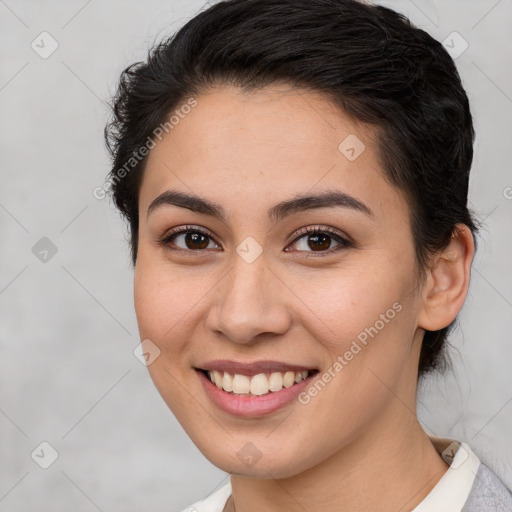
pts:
pixel 256 458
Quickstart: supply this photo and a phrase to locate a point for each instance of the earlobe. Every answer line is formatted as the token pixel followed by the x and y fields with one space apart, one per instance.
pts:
pixel 447 281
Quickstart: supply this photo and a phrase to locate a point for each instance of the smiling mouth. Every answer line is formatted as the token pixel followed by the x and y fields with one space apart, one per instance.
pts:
pixel 256 385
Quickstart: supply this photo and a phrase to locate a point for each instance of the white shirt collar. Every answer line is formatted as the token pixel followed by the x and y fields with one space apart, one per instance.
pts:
pixel 449 494
pixel 452 491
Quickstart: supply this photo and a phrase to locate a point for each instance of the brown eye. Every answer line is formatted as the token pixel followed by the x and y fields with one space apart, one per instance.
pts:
pixel 189 238
pixel 320 240
pixel 195 240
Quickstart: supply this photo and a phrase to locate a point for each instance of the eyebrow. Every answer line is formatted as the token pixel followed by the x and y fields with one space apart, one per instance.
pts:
pixel 299 203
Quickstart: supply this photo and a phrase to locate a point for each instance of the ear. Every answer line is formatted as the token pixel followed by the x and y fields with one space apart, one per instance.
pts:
pixel 447 282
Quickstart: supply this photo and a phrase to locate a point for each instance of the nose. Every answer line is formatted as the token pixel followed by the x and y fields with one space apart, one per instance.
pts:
pixel 249 303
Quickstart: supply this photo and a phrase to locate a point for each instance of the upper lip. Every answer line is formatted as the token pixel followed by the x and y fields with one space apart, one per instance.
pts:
pixel 252 368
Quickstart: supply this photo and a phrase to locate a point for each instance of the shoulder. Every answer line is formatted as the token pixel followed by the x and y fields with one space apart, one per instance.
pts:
pixel 213 503
pixel 488 493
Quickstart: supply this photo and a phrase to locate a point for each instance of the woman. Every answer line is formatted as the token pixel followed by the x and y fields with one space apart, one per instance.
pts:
pixel 295 177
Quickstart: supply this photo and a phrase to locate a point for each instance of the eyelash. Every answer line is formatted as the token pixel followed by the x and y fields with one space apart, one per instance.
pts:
pixel 310 230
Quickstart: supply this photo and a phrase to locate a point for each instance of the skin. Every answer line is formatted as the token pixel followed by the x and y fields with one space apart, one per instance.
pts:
pixel 358 442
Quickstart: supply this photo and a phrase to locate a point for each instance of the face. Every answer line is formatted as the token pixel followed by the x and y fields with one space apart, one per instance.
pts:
pixel 249 283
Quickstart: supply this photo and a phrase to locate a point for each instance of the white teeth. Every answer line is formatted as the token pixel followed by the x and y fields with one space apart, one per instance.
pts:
pixel 227 382
pixel 259 384
pixel 275 383
pixel 256 385
pixel 217 378
pixel 288 379
pixel 241 384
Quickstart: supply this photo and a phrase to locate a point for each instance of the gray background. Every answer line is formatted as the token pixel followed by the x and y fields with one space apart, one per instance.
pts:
pixel 68 375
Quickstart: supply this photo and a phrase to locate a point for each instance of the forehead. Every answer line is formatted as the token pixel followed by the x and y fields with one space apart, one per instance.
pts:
pixel 265 146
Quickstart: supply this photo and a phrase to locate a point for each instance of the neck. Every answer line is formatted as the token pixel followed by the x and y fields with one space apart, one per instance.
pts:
pixel 390 467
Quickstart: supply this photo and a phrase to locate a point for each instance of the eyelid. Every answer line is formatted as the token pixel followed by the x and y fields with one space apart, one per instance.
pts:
pixel 344 240
pixel 180 230
pixel 320 228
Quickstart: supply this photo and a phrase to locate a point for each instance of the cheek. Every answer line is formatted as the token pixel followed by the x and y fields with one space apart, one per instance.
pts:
pixel 164 306
pixel 371 318
pixel 165 302
pixel 345 303
pixel 371 313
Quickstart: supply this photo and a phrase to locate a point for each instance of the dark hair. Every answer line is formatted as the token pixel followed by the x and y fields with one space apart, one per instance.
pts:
pixel 369 60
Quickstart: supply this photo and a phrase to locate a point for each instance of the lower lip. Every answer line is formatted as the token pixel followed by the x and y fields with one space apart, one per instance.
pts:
pixel 246 406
